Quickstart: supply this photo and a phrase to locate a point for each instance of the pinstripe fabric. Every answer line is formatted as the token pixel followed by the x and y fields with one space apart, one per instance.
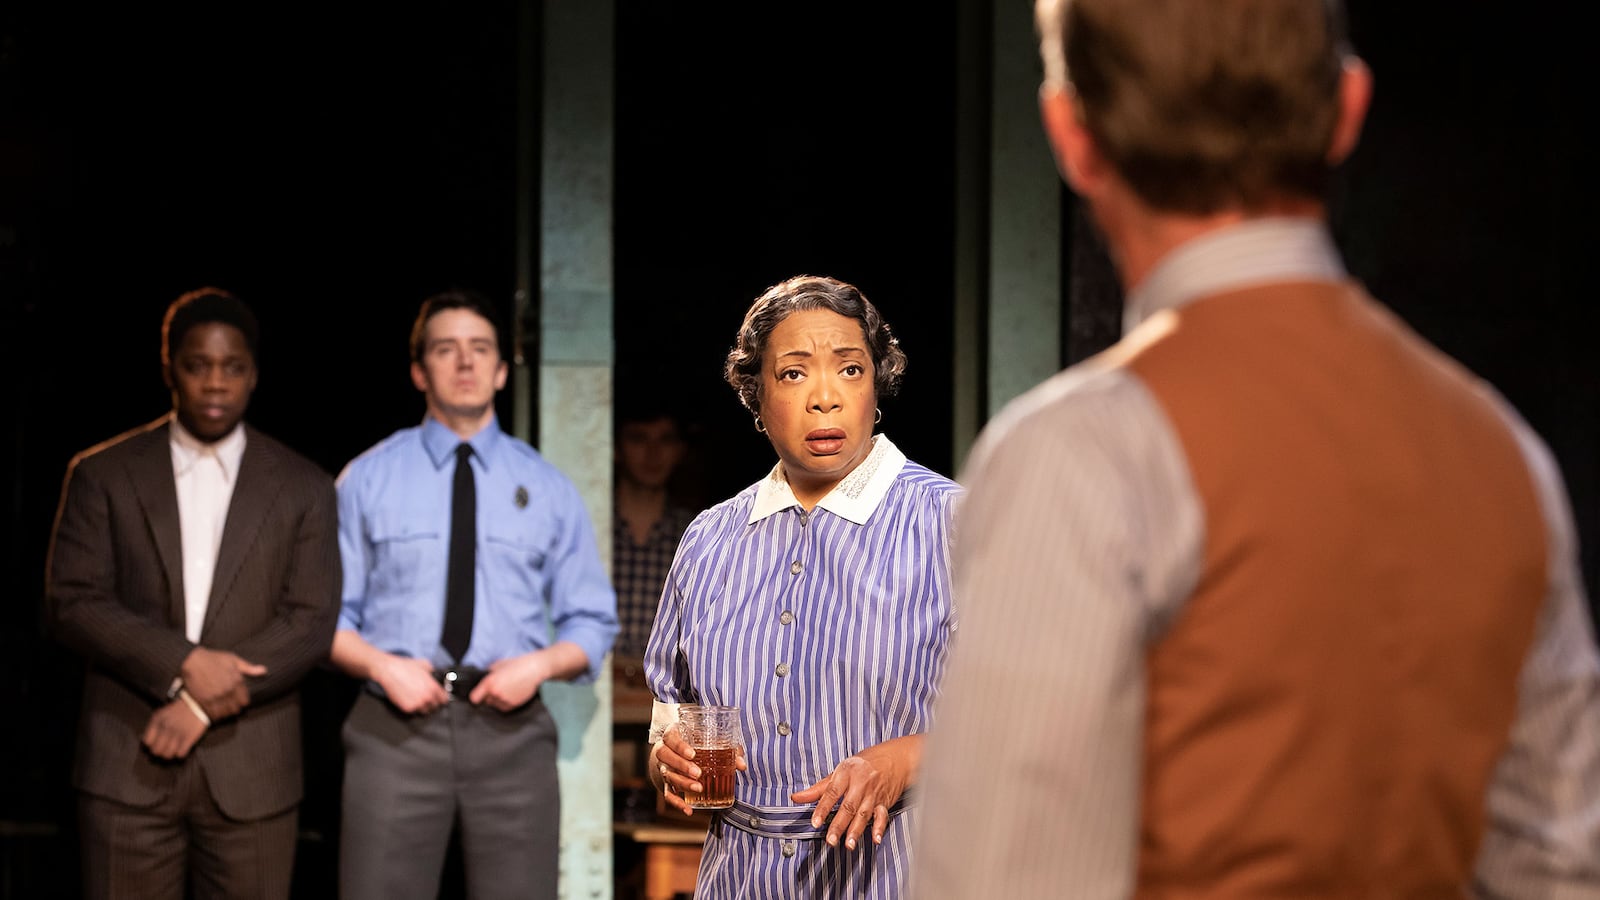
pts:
pixel 183 846
pixel 1081 542
pixel 1063 572
pixel 830 635
pixel 1543 835
pixel 114 593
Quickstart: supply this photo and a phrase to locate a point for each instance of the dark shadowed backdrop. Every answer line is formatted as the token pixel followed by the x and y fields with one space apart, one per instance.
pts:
pixel 333 166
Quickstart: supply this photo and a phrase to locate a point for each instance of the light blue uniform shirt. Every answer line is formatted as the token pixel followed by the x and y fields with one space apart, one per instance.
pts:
pixel 539 578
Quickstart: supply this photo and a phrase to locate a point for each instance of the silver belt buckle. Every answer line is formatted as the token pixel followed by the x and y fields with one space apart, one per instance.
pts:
pixel 450 682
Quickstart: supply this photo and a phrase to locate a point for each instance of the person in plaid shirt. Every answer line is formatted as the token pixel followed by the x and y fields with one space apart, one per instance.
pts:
pixel 646 526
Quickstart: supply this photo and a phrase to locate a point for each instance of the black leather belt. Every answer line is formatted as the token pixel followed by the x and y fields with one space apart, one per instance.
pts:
pixel 460 680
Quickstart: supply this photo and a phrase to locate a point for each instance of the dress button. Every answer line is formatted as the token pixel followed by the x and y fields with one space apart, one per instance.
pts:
pixel 782 669
pixel 788 849
pixel 795 567
pixel 786 619
pixel 783 728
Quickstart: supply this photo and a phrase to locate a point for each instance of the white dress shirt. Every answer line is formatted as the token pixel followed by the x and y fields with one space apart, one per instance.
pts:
pixel 205 475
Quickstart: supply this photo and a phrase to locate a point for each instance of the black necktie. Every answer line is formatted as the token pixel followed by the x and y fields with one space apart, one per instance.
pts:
pixel 458 591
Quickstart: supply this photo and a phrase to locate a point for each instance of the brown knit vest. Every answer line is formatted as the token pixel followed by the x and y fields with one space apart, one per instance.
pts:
pixel 1326 711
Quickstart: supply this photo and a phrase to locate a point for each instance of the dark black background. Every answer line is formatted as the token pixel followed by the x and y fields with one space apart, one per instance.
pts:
pixel 335 165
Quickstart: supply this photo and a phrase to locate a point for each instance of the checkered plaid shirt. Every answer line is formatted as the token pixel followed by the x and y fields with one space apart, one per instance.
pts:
pixel 638 571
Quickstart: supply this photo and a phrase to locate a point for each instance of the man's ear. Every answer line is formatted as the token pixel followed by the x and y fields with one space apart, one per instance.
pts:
pixel 419 377
pixel 1355 96
pixel 1077 157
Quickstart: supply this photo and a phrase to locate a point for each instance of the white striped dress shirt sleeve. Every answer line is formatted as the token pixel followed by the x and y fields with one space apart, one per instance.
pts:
pixel 1080 538
pixel 1081 534
pixel 1543 836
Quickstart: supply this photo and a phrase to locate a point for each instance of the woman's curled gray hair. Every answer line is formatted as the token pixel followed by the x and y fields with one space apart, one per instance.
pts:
pixel 799 294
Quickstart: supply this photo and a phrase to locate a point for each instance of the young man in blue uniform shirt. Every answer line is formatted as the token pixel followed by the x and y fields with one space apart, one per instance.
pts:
pixel 471 578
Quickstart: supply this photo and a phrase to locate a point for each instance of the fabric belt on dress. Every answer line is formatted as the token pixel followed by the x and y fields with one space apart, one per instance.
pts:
pixel 787 822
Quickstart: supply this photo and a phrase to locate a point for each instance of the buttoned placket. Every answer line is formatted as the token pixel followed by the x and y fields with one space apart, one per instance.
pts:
pixel 789 599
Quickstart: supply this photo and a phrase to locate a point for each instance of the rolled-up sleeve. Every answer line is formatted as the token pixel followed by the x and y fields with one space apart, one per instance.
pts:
pixel 354 551
pixel 582 603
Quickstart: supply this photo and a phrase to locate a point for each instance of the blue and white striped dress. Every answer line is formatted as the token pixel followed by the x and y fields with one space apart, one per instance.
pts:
pixel 828 630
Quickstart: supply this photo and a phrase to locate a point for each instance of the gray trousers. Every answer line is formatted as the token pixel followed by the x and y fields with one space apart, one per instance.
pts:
pixel 409 779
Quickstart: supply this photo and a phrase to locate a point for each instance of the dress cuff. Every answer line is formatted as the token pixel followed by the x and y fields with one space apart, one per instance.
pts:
pixel 662 717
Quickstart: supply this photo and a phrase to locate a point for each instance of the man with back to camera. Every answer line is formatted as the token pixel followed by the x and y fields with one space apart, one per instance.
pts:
pixel 471 578
pixel 194 564
pixel 1272 598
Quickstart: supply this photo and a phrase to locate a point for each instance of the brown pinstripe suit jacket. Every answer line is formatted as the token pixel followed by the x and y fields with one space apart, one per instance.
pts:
pixel 114 592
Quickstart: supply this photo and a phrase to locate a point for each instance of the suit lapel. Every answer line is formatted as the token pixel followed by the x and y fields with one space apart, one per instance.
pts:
pixel 153 484
pixel 253 493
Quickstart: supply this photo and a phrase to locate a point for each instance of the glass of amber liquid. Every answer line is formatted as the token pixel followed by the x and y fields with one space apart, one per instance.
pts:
pixel 713 732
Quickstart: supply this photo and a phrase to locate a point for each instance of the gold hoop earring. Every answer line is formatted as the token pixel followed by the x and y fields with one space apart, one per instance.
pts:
pixel 877 416
pixel 760 426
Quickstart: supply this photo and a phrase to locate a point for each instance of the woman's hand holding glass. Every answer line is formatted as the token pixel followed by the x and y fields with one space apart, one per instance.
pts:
pixel 673 771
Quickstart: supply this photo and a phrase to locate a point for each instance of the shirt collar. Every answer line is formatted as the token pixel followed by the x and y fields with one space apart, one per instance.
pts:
pixel 853 498
pixel 188 449
pixel 1254 252
pixel 440 442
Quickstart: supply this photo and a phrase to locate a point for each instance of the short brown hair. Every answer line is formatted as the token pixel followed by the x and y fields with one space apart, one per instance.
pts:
pixel 1203 106
pixel 454 298
pixel 798 294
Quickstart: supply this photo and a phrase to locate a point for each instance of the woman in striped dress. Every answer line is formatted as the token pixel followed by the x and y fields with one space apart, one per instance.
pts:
pixel 818 602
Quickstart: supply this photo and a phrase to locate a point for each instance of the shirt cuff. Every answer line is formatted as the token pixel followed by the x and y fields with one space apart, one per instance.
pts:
pixel 662 717
pixel 194 707
pixel 594 642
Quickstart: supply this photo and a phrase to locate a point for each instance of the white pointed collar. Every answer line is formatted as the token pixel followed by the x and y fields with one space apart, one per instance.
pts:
pixel 853 498
pixel 188 449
